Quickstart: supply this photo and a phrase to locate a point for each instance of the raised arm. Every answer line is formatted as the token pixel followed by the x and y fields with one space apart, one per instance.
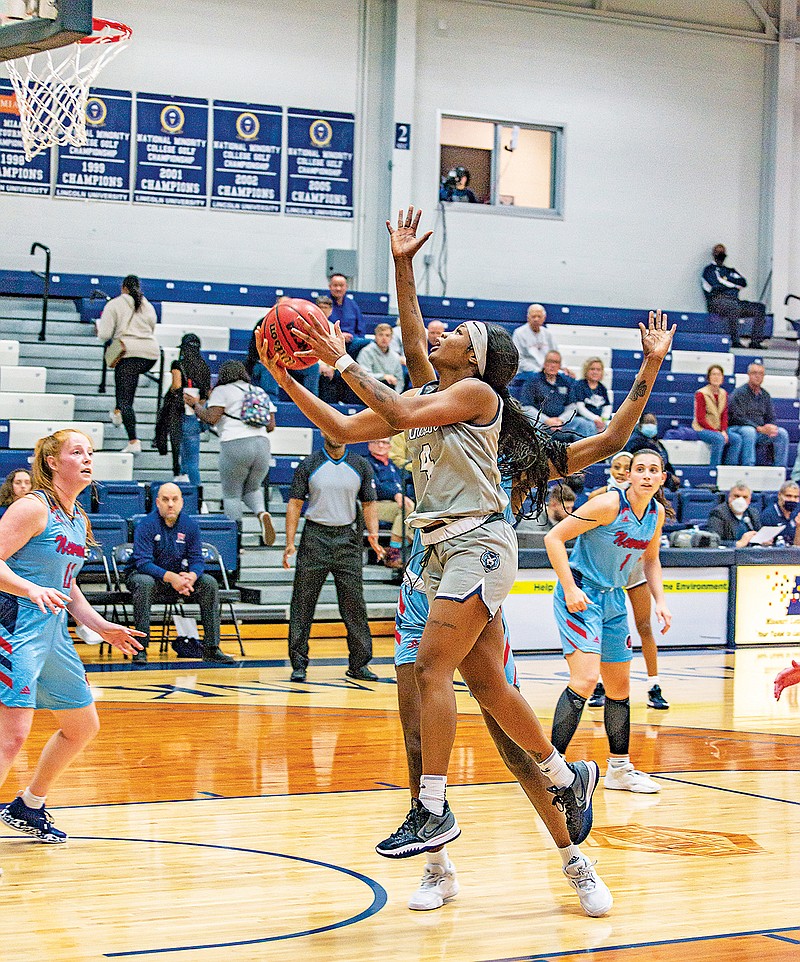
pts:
pixel 655 579
pixel 656 343
pixel 405 245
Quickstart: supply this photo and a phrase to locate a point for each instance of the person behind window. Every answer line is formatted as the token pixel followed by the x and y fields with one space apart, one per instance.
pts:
pixel 454 187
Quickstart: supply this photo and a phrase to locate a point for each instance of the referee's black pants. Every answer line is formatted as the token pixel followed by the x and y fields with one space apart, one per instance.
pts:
pixel 336 550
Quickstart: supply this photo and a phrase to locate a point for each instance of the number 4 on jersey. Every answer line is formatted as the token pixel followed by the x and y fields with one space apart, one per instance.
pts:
pixel 426 462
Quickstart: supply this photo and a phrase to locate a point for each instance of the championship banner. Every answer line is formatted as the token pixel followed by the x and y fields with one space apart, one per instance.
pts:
pixel 17 175
pixel 171 150
pixel 320 163
pixel 101 170
pixel 246 157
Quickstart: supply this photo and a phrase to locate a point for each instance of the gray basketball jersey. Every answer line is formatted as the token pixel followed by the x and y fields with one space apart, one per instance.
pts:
pixel 455 469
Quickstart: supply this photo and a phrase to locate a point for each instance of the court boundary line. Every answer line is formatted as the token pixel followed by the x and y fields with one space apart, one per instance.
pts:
pixel 544 957
pixel 733 791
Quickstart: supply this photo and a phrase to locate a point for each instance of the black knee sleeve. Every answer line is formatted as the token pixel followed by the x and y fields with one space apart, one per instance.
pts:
pixel 567 718
pixel 617 718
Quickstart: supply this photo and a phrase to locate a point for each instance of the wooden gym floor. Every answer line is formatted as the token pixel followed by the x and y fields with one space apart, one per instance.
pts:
pixel 226 815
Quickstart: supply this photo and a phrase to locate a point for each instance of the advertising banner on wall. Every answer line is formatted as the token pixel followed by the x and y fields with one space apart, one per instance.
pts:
pixel 17 175
pixel 320 163
pixel 171 150
pixel 697 598
pixel 246 157
pixel 767 605
pixel 101 170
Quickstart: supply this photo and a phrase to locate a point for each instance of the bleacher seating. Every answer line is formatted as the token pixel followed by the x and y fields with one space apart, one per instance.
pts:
pixel 25 434
pixel 16 378
pixel 29 406
pixel 9 353
pixel 123 498
pixel 190 492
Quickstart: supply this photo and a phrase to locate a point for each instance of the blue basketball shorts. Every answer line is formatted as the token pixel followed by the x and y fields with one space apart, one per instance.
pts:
pixel 409 623
pixel 600 630
pixel 39 667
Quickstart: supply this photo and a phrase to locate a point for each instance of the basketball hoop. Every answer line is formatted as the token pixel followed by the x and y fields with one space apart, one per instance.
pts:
pixel 52 87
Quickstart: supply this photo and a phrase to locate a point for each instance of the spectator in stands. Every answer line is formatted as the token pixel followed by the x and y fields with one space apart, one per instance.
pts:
pixel 16 485
pixel 546 397
pixel 721 286
pixel 258 373
pixel 167 568
pixel 645 435
pixel 434 331
pixel 751 415
pixel 334 481
pixel 784 513
pixel 711 419
pixel 381 361
pixel 534 341
pixel 245 454
pixel 735 521
pixel 393 505
pixel 348 314
pixel 455 189
pixel 190 375
pixel 131 318
pixel 590 397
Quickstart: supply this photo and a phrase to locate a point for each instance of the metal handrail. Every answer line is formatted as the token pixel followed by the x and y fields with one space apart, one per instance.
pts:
pixel 46 278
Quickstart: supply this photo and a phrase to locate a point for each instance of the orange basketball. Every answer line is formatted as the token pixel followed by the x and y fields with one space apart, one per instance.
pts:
pixel 277 339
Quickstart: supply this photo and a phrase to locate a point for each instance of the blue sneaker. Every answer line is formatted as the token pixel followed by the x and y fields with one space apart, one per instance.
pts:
pixel 420 832
pixel 32 821
pixel 575 801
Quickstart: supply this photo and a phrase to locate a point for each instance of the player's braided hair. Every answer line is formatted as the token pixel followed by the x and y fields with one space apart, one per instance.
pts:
pixel 42 473
pixel 659 495
pixel 525 452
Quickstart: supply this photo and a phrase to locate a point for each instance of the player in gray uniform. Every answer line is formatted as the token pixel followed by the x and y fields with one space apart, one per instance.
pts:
pixel 463 526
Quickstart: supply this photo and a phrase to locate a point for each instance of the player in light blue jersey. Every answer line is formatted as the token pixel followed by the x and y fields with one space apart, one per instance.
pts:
pixel 42 546
pixel 613 531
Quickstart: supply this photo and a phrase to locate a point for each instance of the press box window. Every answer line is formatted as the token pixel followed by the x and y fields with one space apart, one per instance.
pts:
pixel 507 165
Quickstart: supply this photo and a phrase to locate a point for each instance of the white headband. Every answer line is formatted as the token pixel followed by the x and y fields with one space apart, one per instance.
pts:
pixel 479 336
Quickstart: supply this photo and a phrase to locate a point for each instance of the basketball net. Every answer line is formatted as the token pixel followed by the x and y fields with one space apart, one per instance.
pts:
pixel 52 87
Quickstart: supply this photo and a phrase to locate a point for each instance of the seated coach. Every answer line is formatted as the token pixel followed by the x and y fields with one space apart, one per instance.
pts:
pixel 167 567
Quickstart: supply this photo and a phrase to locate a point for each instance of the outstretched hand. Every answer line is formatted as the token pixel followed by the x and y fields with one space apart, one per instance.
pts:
pixel 787 678
pixel 324 342
pixel 405 242
pixel 657 337
pixel 122 638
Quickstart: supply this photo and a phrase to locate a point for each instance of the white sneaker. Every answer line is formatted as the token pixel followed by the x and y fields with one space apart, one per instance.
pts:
pixel 437 886
pixel 132 447
pixel 87 635
pixel 628 779
pixel 116 418
pixel 593 893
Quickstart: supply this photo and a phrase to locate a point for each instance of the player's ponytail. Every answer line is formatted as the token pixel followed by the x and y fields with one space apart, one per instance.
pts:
pixel 525 452
pixel 42 473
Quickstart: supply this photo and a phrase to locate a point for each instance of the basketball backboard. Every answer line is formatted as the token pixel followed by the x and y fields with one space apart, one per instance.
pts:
pixel 30 26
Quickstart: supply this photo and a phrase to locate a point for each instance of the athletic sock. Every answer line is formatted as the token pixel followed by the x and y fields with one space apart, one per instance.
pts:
pixel 567 717
pixel 620 762
pixel 440 858
pixel 652 680
pixel 432 790
pixel 395 544
pixel 556 769
pixel 569 853
pixel 617 719
pixel 33 801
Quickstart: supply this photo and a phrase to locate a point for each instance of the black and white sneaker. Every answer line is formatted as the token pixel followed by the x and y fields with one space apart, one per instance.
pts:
pixel 575 801
pixel 598 697
pixel 32 821
pixel 420 832
pixel 655 699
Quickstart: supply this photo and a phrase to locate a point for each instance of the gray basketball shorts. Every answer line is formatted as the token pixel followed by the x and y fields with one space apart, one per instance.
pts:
pixel 481 562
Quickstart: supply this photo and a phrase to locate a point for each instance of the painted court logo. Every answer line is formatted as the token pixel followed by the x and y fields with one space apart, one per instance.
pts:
pixel 490 560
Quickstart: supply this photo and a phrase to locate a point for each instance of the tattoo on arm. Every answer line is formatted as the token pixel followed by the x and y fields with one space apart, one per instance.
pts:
pixel 638 390
pixel 372 390
pixel 440 624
